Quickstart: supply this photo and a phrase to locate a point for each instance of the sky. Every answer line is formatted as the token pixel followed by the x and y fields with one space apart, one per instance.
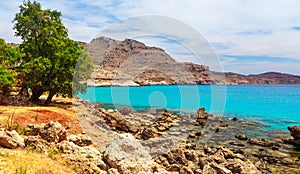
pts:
pixel 247 36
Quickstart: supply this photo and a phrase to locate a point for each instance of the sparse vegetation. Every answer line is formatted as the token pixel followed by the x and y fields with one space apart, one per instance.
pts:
pixel 21 170
pixel 4 154
pixel 26 161
pixel 53 152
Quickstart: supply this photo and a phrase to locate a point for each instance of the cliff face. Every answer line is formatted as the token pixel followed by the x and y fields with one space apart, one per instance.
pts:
pixel 130 62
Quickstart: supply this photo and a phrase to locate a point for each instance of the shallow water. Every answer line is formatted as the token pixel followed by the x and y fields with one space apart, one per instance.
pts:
pixel 276 106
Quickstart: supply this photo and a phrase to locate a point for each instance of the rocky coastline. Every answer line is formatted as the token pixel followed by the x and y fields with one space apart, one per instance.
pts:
pixel 158 141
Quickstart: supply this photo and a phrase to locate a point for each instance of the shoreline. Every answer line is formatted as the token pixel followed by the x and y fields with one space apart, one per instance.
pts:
pixel 128 85
pixel 188 143
pixel 250 120
pixel 225 134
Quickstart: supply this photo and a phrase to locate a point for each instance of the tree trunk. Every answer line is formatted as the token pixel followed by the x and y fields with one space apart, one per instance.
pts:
pixel 6 91
pixel 36 95
pixel 49 98
pixel 24 91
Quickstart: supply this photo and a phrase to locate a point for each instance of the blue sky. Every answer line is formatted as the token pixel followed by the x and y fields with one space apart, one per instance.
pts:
pixel 249 36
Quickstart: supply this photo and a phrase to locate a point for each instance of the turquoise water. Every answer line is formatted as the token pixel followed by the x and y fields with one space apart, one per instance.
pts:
pixel 277 106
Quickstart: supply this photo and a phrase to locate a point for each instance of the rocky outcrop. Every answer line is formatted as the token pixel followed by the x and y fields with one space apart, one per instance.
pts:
pixel 175 141
pixel 221 160
pixel 10 139
pixel 295 133
pixel 124 154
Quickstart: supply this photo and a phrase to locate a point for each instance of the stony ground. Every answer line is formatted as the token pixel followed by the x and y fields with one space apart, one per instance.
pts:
pixel 85 138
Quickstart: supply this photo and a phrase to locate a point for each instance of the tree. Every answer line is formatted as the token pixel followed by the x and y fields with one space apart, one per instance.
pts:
pixel 49 55
pixel 9 55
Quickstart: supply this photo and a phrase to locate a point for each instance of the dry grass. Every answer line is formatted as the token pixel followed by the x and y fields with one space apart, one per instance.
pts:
pixel 27 162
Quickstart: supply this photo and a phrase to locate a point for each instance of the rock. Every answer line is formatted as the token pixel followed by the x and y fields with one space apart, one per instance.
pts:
pixel 86 102
pixel 112 171
pixel 239 166
pixel 38 144
pixel 86 152
pixel 173 168
pixel 125 111
pixel 288 140
pixel 237 144
pixel 234 119
pixel 162 161
pixel 88 159
pixel 127 155
pixel 176 156
pixel 10 139
pixel 36 129
pixel 147 133
pixel 241 137
pixel 295 133
pixel 201 114
pixel 227 153
pixel 80 140
pixel 218 157
pixel 261 142
pixel 51 132
pixel 220 169
pixel 185 170
pixel 192 135
pixel 54 132
pixel 117 122
pixel 189 155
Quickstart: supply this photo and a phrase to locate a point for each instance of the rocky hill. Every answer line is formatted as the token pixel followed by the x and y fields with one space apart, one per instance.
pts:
pixel 131 62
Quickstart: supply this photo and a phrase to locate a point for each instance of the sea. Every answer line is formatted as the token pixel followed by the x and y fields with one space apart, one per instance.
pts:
pixel 277 106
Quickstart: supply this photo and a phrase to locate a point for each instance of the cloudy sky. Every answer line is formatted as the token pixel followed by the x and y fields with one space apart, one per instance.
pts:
pixel 248 36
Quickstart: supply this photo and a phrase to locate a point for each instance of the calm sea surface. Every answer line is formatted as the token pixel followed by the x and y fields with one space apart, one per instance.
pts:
pixel 277 106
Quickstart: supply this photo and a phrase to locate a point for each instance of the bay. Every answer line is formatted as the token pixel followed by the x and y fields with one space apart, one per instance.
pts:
pixel 276 106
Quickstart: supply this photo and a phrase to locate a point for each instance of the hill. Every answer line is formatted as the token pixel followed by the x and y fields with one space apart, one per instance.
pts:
pixel 131 62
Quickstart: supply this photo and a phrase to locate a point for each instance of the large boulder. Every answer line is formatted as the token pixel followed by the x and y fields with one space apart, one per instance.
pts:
pixel 127 155
pixel 88 159
pixel 10 139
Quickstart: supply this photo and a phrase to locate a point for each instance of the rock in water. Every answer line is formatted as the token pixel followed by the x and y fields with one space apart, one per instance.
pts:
pixel 202 114
pixel 11 139
pixel 241 137
pixel 295 133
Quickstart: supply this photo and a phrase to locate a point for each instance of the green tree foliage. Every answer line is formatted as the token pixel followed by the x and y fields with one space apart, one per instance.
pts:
pixel 9 55
pixel 49 55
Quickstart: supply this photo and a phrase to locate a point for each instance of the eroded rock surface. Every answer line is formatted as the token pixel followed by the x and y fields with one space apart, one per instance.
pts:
pixel 10 139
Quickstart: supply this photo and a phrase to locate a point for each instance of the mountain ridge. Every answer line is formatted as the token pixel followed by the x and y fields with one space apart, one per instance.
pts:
pixel 133 63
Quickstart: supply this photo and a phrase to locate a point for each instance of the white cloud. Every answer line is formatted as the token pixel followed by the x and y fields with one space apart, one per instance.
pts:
pixel 249 27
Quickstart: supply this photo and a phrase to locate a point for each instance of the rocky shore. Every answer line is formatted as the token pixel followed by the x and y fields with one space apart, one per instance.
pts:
pixel 158 141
